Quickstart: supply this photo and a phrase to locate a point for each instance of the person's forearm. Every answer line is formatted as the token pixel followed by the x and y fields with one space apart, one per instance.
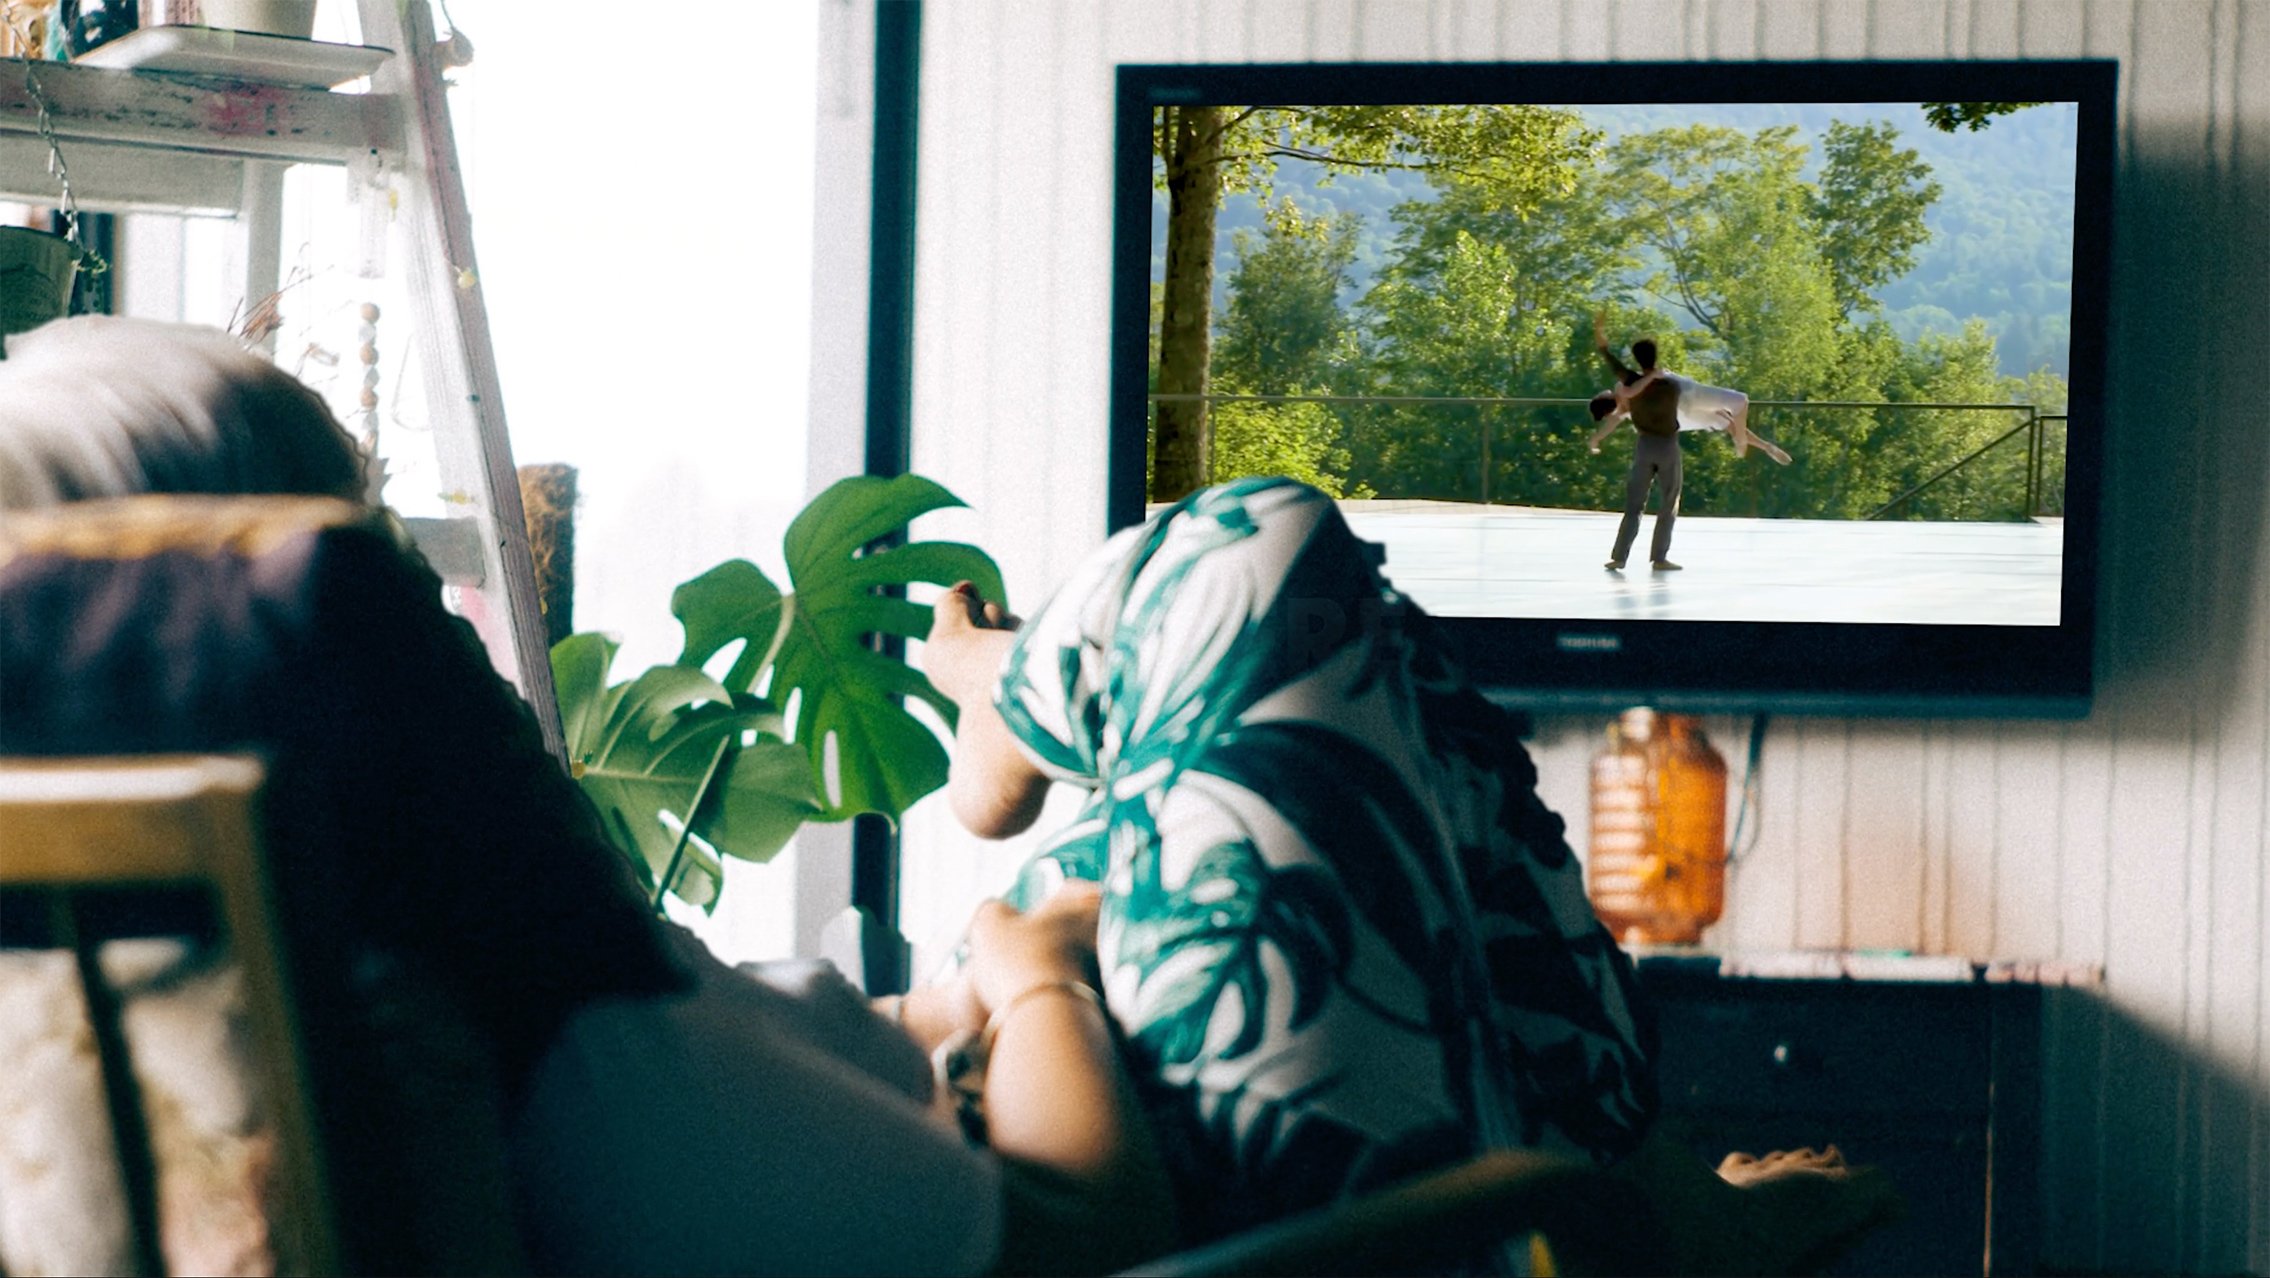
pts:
pixel 1087 1192
pixel 994 790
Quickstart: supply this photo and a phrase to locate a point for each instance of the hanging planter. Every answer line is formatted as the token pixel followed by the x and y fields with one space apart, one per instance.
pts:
pixel 36 272
pixel 38 268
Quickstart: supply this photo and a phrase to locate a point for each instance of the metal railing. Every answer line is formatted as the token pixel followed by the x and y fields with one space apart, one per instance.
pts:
pixel 2034 427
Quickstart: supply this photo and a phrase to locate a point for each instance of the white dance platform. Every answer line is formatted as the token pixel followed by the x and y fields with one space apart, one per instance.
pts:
pixel 1457 559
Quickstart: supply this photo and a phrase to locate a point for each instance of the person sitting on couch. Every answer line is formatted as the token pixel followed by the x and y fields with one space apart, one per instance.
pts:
pixel 662 1112
pixel 1343 935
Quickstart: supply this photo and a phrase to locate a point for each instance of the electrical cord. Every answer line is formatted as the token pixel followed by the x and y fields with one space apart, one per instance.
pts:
pixel 1746 818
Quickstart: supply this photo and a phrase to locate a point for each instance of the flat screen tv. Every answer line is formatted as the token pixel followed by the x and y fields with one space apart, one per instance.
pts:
pixel 1385 279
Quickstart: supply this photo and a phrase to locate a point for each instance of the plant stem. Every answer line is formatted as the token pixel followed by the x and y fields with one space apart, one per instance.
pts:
pixel 686 829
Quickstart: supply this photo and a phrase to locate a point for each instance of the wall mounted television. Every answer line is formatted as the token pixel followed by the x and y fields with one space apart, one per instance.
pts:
pixel 1384 278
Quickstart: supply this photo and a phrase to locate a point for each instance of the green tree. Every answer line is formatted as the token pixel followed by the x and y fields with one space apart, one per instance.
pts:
pixel 1869 207
pixel 1299 440
pixel 1556 260
pixel 1726 217
pixel 1280 335
pixel 1989 483
pixel 1951 117
pixel 1284 323
pixel 1441 331
pixel 1518 153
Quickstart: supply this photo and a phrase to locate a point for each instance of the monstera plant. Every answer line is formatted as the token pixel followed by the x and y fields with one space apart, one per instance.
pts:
pixel 808 723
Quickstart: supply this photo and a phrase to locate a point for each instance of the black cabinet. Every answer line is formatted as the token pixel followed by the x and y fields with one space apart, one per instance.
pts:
pixel 1938 1083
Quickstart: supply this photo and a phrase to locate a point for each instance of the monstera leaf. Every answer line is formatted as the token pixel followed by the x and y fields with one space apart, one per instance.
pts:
pixel 845 700
pixel 671 748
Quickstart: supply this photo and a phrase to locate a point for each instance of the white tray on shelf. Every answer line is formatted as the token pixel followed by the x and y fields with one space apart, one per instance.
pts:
pixel 238 55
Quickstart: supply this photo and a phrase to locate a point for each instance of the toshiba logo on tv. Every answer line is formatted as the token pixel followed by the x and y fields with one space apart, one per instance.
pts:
pixel 1589 643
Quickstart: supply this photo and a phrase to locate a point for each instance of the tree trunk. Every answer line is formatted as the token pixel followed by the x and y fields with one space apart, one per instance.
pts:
pixel 1184 442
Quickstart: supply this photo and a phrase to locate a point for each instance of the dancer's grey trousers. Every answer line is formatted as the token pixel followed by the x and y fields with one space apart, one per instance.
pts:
pixel 1655 460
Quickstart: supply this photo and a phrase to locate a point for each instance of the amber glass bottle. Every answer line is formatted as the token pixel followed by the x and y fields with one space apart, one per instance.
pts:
pixel 1657 869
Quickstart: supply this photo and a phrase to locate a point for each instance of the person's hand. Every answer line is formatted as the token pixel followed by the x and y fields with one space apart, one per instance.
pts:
pixel 1055 941
pixel 932 1013
pixel 982 613
pixel 1593 449
pixel 967 640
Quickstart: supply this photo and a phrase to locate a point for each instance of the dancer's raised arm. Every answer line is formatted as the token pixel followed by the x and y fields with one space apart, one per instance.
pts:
pixel 1624 375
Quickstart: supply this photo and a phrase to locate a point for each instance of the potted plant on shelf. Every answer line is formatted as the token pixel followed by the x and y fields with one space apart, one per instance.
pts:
pixel 37 269
pixel 808 723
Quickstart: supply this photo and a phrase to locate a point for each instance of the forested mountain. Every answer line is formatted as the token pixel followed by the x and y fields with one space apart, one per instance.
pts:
pixel 2001 247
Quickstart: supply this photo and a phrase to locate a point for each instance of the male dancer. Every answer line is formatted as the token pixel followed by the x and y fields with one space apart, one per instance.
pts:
pixel 1652 402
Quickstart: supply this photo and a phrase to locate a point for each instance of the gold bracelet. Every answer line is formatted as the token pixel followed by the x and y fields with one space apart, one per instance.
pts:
pixel 1078 989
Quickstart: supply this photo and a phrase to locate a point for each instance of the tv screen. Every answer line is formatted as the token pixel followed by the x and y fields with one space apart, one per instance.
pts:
pixel 1845 320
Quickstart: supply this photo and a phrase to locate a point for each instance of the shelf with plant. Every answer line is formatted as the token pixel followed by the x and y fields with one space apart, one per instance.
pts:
pixel 809 721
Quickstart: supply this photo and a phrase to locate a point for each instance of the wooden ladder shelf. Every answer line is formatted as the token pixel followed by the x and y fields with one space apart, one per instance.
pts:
pixel 150 141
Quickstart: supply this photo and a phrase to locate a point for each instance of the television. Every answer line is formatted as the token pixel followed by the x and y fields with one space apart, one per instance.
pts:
pixel 1384 279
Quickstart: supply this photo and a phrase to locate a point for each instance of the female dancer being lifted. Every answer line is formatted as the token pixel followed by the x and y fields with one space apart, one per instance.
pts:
pixel 1698 406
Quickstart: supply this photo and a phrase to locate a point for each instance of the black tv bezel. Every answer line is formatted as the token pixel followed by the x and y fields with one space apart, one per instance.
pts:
pixel 1547 664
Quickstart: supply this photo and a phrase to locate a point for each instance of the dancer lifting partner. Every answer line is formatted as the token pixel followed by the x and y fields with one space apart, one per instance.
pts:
pixel 1654 412
pixel 1660 404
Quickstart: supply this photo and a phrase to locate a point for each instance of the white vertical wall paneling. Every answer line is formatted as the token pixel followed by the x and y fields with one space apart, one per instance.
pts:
pixel 1816 880
pixel 1729 31
pixel 1080 368
pixel 834 445
pixel 1395 30
pixel 1527 30
pixel 2249 172
pixel 1762 889
pixel 1653 31
pixel 1221 32
pixel 1469 30
pixel 1024 134
pixel 936 880
pixel 1935 909
pixel 1789 29
pixel 1335 30
pixel 1967 907
pixel 1993 30
pixel 2231 1180
pixel 2195 1143
pixel 1282 30
pixel 1845 27
pixel 1883 837
pixel 1586 29
pixel 2030 788
pixel 1333 26
pixel 977 447
pixel 955 160
pixel 2077 1146
pixel 2136 839
pixel 2052 28
pixel 2164 716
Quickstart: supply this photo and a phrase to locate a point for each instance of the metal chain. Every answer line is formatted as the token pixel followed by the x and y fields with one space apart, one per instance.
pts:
pixel 56 167
pixel 94 264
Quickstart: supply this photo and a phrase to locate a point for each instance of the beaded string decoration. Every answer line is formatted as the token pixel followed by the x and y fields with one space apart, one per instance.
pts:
pixel 366 340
